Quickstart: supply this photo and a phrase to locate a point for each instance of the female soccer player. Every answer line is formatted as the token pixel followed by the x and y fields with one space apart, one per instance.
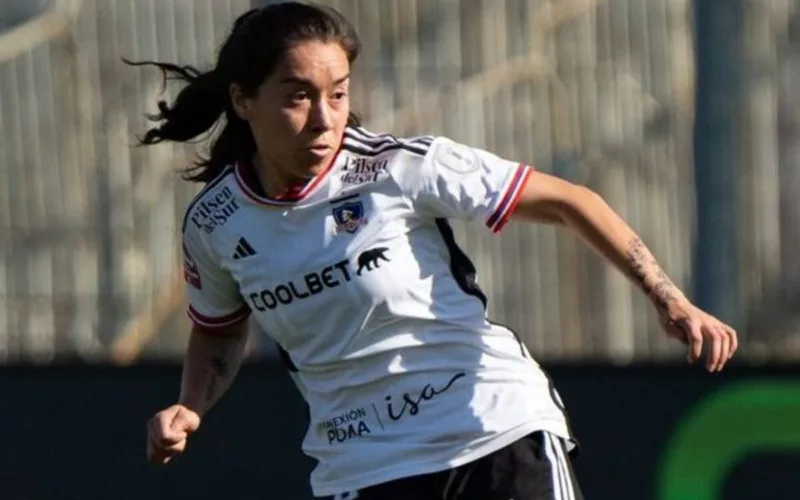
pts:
pixel 336 240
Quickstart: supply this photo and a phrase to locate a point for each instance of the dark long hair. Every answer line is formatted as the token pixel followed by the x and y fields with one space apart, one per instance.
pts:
pixel 248 56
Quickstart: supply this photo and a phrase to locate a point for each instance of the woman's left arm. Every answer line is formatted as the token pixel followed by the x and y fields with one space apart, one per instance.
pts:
pixel 548 199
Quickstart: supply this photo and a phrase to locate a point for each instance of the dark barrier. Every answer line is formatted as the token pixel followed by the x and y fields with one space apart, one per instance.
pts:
pixel 665 433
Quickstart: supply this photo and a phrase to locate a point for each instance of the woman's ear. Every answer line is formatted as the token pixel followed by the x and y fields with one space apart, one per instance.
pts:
pixel 239 101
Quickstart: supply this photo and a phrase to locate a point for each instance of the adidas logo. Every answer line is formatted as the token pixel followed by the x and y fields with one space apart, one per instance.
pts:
pixel 243 249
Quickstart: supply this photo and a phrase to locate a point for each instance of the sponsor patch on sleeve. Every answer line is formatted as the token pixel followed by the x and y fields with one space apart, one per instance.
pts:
pixel 456 158
pixel 191 274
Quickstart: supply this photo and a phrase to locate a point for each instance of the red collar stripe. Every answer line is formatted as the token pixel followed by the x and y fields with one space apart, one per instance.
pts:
pixel 251 187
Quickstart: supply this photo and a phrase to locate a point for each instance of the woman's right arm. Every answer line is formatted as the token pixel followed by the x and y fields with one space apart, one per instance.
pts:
pixel 211 363
pixel 216 346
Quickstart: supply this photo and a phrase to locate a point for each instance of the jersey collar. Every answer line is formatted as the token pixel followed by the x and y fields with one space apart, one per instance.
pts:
pixel 248 181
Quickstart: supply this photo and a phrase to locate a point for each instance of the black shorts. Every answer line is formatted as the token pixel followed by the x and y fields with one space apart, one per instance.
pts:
pixel 537 467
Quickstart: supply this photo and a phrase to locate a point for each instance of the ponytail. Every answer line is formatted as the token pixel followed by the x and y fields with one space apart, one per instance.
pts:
pixel 195 113
pixel 258 40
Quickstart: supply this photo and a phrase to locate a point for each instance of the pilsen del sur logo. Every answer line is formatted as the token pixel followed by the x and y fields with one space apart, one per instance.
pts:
pixel 214 210
pixel 363 170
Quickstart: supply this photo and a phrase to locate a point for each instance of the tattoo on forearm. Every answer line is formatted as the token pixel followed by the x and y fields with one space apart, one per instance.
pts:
pixel 220 369
pixel 661 289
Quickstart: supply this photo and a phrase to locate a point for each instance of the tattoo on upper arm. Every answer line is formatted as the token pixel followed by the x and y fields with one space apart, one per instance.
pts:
pixel 661 289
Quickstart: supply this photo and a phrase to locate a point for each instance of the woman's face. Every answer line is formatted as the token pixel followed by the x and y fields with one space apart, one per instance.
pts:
pixel 299 113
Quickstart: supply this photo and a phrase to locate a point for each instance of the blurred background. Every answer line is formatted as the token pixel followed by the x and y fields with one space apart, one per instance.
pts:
pixel 683 114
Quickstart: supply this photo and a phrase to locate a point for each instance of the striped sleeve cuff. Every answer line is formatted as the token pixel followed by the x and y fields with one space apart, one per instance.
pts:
pixel 509 199
pixel 218 321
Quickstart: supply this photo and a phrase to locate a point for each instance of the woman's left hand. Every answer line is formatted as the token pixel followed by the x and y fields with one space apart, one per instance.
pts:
pixel 694 327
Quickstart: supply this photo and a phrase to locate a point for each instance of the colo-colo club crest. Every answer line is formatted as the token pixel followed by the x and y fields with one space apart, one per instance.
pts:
pixel 349 217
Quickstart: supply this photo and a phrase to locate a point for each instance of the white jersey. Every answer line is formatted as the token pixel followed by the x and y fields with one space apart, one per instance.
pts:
pixel 377 311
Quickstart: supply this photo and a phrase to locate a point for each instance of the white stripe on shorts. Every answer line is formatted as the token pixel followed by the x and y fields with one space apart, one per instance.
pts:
pixel 562 483
pixel 564 464
pixel 350 495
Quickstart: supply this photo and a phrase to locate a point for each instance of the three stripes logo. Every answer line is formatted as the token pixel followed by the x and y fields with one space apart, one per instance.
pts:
pixel 243 249
pixel 369 145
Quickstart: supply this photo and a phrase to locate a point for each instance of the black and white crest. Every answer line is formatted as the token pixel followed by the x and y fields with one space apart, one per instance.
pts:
pixel 349 216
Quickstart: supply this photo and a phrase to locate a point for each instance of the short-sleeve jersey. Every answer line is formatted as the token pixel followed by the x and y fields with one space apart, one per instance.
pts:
pixel 359 280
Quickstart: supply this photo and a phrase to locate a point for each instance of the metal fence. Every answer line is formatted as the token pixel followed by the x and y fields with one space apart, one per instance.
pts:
pixel 598 91
pixel 90 222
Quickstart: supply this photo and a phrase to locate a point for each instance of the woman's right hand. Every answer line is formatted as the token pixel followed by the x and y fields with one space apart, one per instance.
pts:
pixel 168 431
